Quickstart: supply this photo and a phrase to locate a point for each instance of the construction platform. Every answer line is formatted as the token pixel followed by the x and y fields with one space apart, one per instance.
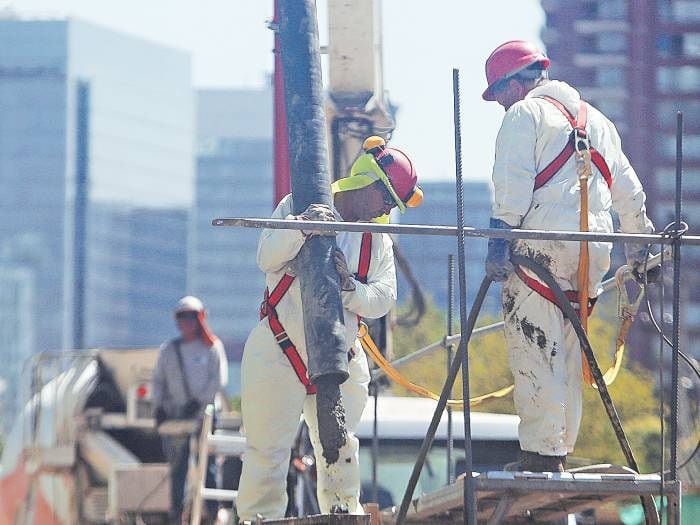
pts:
pixel 536 497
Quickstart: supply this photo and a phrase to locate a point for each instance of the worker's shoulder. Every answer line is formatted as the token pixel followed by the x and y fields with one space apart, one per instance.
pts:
pixel 168 346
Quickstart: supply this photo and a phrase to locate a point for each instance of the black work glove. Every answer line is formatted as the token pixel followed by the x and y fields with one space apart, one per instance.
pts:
pixel 498 266
pixel 159 415
pixel 653 274
pixel 636 255
pixel 191 409
pixel 347 279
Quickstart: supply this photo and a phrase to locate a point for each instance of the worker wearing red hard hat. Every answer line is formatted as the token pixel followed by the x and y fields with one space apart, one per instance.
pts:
pixel 536 186
pixel 275 388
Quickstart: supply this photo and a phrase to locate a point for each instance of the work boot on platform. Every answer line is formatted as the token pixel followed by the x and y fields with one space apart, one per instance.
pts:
pixel 534 462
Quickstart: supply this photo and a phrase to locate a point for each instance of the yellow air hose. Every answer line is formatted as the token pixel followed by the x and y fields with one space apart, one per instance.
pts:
pixel 627 312
pixel 371 349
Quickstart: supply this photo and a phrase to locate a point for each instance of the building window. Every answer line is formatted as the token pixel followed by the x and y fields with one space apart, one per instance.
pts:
pixel 678 10
pixel 666 111
pixel 665 180
pixel 678 46
pixel 685 11
pixel 681 79
pixel 612 42
pixel 613 10
pixel 691 44
pixel 669 46
pixel 666 147
pixel 615 110
pixel 610 77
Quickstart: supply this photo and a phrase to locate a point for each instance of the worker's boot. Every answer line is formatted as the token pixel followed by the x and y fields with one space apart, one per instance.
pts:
pixel 534 462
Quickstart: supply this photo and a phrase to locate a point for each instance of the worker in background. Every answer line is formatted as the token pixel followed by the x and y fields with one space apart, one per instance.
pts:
pixel 190 371
pixel 536 187
pixel 275 386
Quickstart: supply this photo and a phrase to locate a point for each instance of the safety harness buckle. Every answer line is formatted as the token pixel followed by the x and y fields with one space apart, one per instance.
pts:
pixel 581 141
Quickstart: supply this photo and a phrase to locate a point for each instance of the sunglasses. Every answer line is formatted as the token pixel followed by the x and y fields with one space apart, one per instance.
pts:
pixel 186 315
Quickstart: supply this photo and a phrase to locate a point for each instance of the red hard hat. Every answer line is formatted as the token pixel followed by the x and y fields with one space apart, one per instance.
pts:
pixel 508 59
pixel 399 170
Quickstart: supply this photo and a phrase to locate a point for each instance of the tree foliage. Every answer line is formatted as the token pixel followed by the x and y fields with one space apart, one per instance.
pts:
pixel 632 392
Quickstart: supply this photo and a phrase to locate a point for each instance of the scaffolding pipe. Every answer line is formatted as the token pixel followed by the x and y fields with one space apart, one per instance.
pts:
pixel 423 229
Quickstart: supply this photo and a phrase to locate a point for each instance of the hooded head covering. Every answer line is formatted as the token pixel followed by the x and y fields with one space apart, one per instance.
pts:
pixel 189 303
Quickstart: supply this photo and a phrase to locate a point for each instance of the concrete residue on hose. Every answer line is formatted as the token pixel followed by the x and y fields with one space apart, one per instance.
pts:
pixel 330 413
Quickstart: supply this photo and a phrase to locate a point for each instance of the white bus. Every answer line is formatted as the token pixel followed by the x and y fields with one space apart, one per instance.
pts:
pixel 402 423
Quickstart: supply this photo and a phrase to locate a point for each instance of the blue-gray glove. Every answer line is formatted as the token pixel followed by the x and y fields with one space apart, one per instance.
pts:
pixel 498 266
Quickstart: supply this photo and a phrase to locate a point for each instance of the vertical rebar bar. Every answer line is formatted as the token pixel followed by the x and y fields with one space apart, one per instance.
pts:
pixel 374 392
pixel 469 496
pixel 449 347
pixel 676 299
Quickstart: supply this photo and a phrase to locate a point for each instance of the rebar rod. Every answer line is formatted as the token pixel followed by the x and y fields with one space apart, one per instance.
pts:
pixel 469 493
pixel 676 299
pixel 450 352
pixel 425 229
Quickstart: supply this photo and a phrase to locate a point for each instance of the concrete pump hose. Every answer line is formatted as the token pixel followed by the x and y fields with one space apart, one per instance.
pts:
pixel 651 514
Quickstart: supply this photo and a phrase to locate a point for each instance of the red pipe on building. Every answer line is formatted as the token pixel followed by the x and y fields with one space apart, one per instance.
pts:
pixel 282 184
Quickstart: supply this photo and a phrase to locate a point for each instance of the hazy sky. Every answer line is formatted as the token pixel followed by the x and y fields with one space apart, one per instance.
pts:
pixel 231 47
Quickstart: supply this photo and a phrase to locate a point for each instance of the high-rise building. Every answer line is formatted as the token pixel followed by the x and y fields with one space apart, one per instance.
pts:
pixel 639 62
pixel 96 140
pixel 234 178
pixel 427 255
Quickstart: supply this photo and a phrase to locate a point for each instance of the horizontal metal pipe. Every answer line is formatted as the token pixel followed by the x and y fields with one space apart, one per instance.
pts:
pixel 607 285
pixel 423 229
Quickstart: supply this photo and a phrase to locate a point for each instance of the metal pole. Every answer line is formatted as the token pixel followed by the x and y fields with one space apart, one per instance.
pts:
pixel 469 496
pixel 450 348
pixel 676 309
pixel 374 390
pixel 320 290
pixel 449 231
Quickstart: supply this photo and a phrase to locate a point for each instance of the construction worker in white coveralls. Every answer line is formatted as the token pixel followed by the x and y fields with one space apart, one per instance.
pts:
pixel 275 388
pixel 536 186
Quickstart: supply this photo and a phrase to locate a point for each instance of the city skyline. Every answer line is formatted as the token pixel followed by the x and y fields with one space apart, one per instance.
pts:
pixel 231 47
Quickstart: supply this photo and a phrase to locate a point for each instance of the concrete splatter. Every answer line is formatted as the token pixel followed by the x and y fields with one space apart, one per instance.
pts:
pixel 331 419
pixel 533 333
pixel 508 303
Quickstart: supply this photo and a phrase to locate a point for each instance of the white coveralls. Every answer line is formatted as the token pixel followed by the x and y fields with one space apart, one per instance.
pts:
pixel 273 398
pixel 544 352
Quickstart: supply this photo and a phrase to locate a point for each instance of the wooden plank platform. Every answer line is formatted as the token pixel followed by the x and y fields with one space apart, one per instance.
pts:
pixel 524 497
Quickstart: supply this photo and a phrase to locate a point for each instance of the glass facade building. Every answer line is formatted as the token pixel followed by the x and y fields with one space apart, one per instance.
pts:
pixel 234 179
pixel 96 162
pixel 427 255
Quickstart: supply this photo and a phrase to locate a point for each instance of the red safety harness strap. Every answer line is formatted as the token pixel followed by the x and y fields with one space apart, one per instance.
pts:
pixel 365 257
pixel 272 299
pixel 578 128
pixel 548 294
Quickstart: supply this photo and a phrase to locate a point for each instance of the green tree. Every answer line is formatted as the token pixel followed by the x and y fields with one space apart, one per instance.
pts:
pixel 632 392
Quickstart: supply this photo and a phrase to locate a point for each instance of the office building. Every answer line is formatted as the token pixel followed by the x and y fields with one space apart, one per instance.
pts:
pixel 427 255
pixel 639 62
pixel 234 179
pixel 96 130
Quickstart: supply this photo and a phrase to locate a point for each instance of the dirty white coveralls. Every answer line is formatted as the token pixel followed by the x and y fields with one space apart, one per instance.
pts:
pixel 273 398
pixel 544 352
